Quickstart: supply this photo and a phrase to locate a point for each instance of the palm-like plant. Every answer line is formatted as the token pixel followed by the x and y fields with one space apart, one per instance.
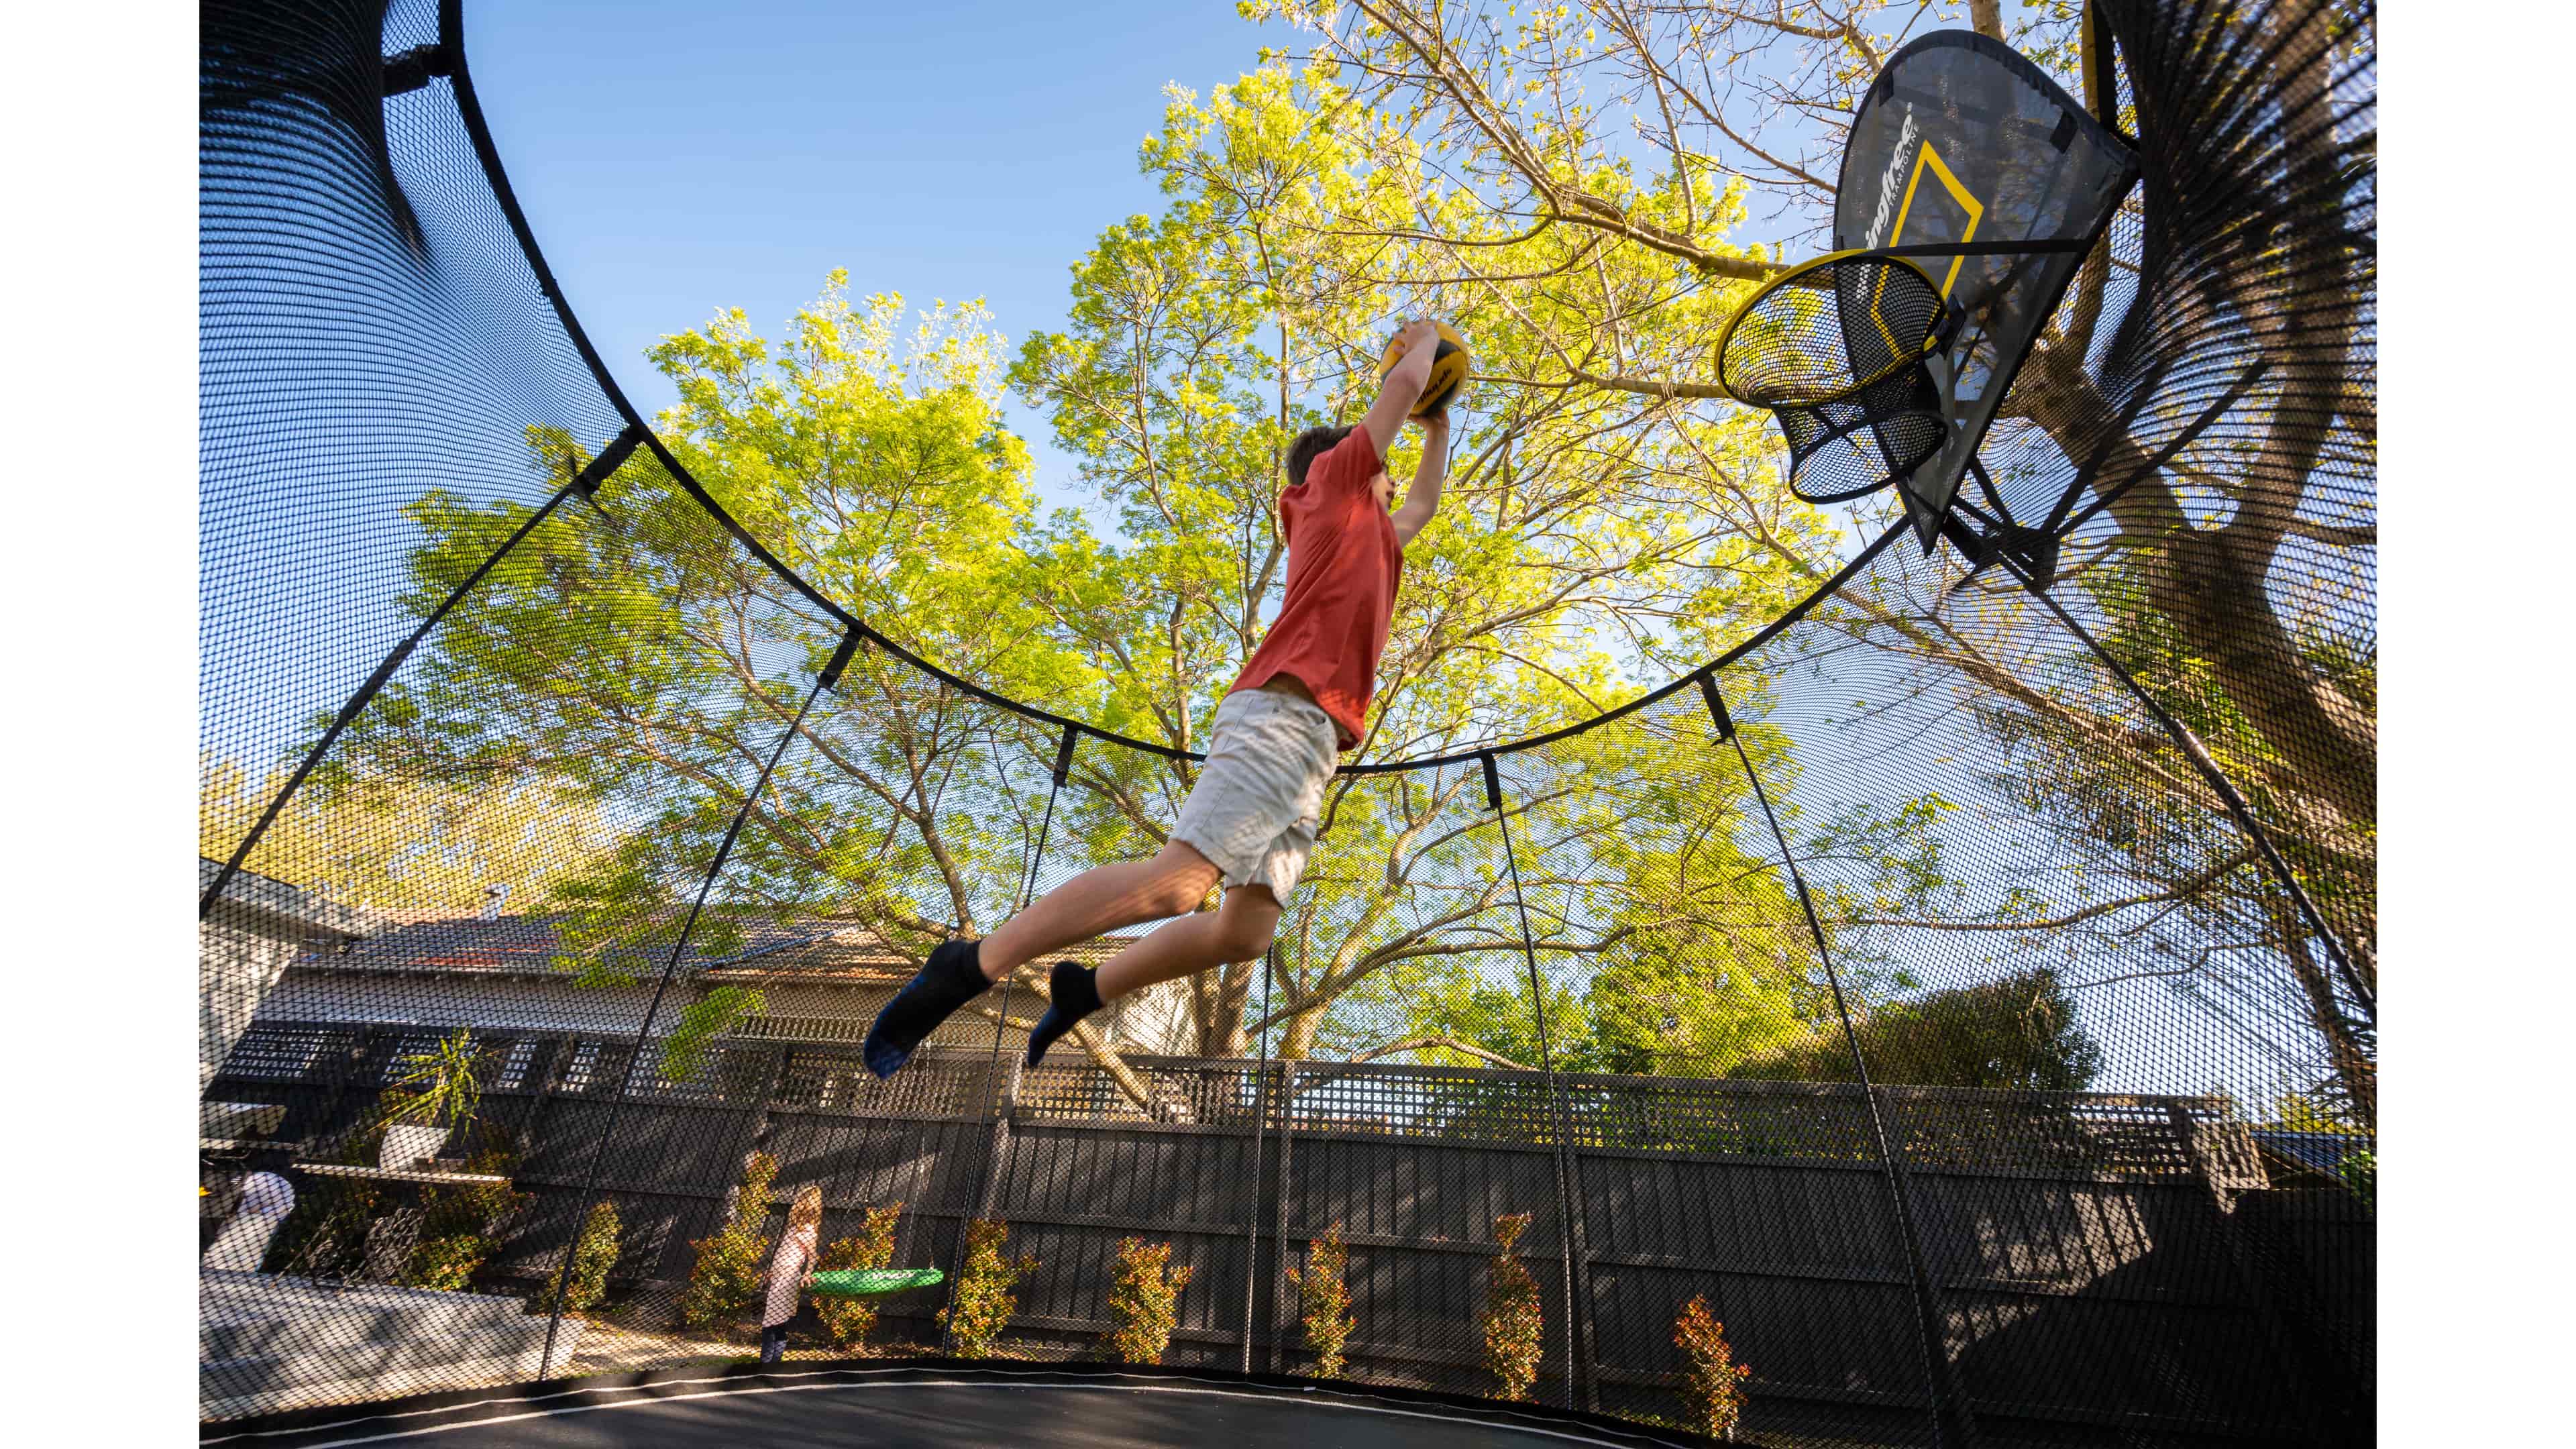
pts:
pixel 437 1087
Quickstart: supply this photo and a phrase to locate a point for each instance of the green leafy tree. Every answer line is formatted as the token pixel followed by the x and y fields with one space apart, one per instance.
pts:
pixel 632 656
pixel 2235 580
pixel 379 836
pixel 1570 557
pixel 2020 1033
pixel 437 1087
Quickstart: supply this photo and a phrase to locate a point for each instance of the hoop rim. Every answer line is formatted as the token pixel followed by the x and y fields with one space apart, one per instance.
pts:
pixel 1935 340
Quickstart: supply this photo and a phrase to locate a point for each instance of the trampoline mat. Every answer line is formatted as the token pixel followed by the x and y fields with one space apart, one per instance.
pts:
pixel 945 1410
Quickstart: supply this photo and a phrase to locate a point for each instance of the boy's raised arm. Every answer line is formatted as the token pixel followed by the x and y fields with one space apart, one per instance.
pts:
pixel 1403 386
pixel 1423 499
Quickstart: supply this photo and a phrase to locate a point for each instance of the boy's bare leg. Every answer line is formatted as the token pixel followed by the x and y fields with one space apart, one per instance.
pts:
pixel 1173 883
pixel 1103 899
pixel 1237 930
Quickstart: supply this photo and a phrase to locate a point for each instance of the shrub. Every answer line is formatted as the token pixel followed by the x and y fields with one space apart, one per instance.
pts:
pixel 1712 1381
pixel 2360 1173
pixel 460 1226
pixel 1324 1301
pixel 726 1279
pixel 594 1253
pixel 848 1320
pixel 446 1264
pixel 982 1304
pixel 1144 1297
pixel 1512 1321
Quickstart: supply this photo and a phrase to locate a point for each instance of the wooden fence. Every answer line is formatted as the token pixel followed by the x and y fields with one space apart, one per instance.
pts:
pixel 2104 1269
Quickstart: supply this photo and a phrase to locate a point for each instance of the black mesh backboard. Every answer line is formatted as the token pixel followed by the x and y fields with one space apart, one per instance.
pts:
pixel 1963 142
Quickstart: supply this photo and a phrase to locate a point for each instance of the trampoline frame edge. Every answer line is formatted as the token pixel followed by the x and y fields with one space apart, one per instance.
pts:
pixel 438 1411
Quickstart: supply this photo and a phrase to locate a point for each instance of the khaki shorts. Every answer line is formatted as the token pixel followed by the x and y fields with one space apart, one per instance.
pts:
pixel 1261 793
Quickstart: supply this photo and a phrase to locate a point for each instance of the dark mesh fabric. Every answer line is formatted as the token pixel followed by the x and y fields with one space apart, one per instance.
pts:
pixel 1828 332
pixel 1963 992
pixel 1837 353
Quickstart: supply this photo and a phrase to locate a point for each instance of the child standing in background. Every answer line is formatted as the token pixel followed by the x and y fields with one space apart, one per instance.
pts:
pixel 791 1267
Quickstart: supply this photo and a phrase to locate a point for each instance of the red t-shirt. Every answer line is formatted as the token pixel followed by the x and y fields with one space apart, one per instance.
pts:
pixel 1343 566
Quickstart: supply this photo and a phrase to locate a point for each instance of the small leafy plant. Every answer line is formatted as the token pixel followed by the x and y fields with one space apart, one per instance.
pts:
pixel 1712 1381
pixel 1324 1301
pixel 437 1087
pixel 594 1253
pixel 985 1298
pixel 726 1279
pixel 2360 1174
pixel 1512 1321
pixel 1144 1298
pixel 461 1226
pixel 848 1320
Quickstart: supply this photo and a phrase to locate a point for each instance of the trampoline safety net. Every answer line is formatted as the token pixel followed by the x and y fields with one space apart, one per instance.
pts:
pixel 1952 1006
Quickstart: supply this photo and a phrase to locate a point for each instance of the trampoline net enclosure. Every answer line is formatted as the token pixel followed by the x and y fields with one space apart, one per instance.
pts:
pixel 527 764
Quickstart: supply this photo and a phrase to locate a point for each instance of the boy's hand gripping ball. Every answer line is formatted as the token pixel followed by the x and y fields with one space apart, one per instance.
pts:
pixel 1448 369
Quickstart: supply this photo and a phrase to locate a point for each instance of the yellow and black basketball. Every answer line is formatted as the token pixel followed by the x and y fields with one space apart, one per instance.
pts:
pixel 1448 368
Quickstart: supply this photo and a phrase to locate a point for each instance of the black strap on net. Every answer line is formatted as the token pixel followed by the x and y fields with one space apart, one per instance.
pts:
pixel 589 1199
pixel 1580 1391
pixel 1260 1139
pixel 1951 1424
pixel 584 481
pixel 1008 1098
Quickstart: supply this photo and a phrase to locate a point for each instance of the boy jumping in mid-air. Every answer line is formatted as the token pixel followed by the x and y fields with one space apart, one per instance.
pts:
pixel 1251 819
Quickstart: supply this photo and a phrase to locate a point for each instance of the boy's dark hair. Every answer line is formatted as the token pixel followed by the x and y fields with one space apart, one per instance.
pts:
pixel 1311 444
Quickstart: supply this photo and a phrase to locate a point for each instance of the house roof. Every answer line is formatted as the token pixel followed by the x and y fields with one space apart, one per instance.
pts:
pixel 251 898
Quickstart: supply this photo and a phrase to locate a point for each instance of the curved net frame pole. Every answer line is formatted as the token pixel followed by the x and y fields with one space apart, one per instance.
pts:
pixel 2199 756
pixel 588 1200
pixel 1951 1424
pixel 1580 1391
pixel 584 481
pixel 1008 1094
pixel 469 110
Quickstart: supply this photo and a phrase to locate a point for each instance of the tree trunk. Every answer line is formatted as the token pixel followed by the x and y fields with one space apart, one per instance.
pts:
pixel 1217 1000
pixel 1297 1040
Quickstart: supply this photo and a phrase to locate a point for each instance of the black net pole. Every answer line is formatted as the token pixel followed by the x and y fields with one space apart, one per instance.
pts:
pixel 1579 1390
pixel 1950 1420
pixel 2201 760
pixel 1260 1139
pixel 830 676
pixel 584 481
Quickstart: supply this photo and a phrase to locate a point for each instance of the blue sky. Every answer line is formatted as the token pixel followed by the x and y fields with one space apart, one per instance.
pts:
pixel 678 158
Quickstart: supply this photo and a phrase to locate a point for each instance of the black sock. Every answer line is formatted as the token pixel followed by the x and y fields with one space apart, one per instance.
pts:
pixel 948 980
pixel 1073 993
